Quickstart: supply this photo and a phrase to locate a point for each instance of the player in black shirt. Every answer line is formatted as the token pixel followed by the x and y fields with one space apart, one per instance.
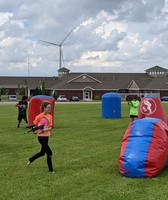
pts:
pixel 22 110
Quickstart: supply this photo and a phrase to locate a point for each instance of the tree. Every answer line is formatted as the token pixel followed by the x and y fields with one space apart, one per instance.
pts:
pixel 36 92
pixel 3 91
pixel 20 90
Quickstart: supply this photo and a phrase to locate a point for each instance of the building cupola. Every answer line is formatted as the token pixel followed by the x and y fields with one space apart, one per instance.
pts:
pixel 62 72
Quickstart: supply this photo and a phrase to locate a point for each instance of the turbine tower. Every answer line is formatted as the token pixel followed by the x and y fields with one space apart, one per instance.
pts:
pixel 60 47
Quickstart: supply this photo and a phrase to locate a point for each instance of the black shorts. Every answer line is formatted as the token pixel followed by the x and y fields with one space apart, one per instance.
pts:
pixel 133 116
pixel 22 116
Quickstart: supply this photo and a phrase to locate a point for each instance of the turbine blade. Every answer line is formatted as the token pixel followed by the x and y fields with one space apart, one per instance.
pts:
pixel 49 42
pixel 67 36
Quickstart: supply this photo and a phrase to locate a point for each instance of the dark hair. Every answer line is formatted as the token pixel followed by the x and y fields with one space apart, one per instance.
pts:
pixel 44 105
pixel 24 98
pixel 135 97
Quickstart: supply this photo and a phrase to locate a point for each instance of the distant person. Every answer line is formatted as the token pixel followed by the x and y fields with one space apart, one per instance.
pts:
pixel 22 110
pixel 45 119
pixel 134 104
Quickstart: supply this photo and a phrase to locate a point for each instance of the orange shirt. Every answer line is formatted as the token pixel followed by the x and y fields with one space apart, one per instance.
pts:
pixel 37 121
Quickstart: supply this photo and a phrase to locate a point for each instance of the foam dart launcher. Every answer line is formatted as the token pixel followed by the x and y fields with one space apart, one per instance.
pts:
pixel 34 128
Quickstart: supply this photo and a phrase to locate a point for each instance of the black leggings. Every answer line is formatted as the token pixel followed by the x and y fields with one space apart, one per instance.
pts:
pixel 44 149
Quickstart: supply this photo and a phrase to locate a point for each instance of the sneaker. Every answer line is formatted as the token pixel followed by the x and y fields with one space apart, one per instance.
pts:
pixel 52 172
pixel 18 125
pixel 29 163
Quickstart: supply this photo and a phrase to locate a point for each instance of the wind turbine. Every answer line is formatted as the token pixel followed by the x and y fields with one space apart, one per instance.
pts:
pixel 60 47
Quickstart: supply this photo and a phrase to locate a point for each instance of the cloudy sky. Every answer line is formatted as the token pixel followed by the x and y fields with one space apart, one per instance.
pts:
pixel 105 36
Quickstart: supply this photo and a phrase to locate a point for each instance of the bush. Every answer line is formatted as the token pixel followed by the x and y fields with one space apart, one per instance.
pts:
pixel 97 98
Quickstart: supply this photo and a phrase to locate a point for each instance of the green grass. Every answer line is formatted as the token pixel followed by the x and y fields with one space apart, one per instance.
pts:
pixel 86 150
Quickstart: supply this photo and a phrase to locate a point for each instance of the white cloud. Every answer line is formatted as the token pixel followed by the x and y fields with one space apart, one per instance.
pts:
pixel 4 17
pixel 109 35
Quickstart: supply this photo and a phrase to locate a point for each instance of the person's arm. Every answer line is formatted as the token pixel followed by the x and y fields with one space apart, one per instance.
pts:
pixel 50 125
pixel 135 104
pixel 130 103
pixel 17 105
pixel 36 120
pixel 46 129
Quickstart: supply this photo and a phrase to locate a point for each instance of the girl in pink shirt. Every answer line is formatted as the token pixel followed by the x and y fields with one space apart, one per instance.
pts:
pixel 45 119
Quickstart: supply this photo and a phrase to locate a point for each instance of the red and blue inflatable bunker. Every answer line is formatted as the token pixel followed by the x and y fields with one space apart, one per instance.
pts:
pixel 151 107
pixel 144 148
pixel 35 106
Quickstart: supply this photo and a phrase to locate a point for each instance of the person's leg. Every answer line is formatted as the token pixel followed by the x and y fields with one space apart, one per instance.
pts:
pixel 25 119
pixel 136 117
pixel 49 159
pixel 41 153
pixel 19 120
pixel 45 149
pixel 49 155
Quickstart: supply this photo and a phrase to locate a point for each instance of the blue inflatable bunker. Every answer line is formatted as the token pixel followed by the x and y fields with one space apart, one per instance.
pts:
pixel 111 106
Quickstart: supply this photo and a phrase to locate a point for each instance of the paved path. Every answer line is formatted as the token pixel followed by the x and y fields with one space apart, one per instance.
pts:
pixel 68 102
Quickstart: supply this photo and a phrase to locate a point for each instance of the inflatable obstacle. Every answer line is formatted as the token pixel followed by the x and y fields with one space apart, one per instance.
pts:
pixel 144 148
pixel 151 107
pixel 35 107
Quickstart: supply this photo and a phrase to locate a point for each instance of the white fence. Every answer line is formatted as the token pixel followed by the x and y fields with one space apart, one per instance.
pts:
pixel 141 95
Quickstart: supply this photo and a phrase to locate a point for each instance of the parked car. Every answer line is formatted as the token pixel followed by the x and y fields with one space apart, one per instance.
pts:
pixel 62 98
pixel 74 98
pixel 12 98
pixel 164 98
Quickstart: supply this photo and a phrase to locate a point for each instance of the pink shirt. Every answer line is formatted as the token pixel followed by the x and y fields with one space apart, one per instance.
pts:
pixel 46 121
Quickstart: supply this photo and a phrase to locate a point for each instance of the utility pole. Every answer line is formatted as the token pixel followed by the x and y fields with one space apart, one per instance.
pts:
pixel 28 64
pixel 27 92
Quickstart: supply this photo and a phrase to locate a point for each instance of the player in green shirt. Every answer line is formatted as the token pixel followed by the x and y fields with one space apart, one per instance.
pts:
pixel 134 104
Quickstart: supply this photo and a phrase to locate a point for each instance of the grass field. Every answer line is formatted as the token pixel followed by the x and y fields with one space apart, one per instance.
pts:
pixel 86 150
